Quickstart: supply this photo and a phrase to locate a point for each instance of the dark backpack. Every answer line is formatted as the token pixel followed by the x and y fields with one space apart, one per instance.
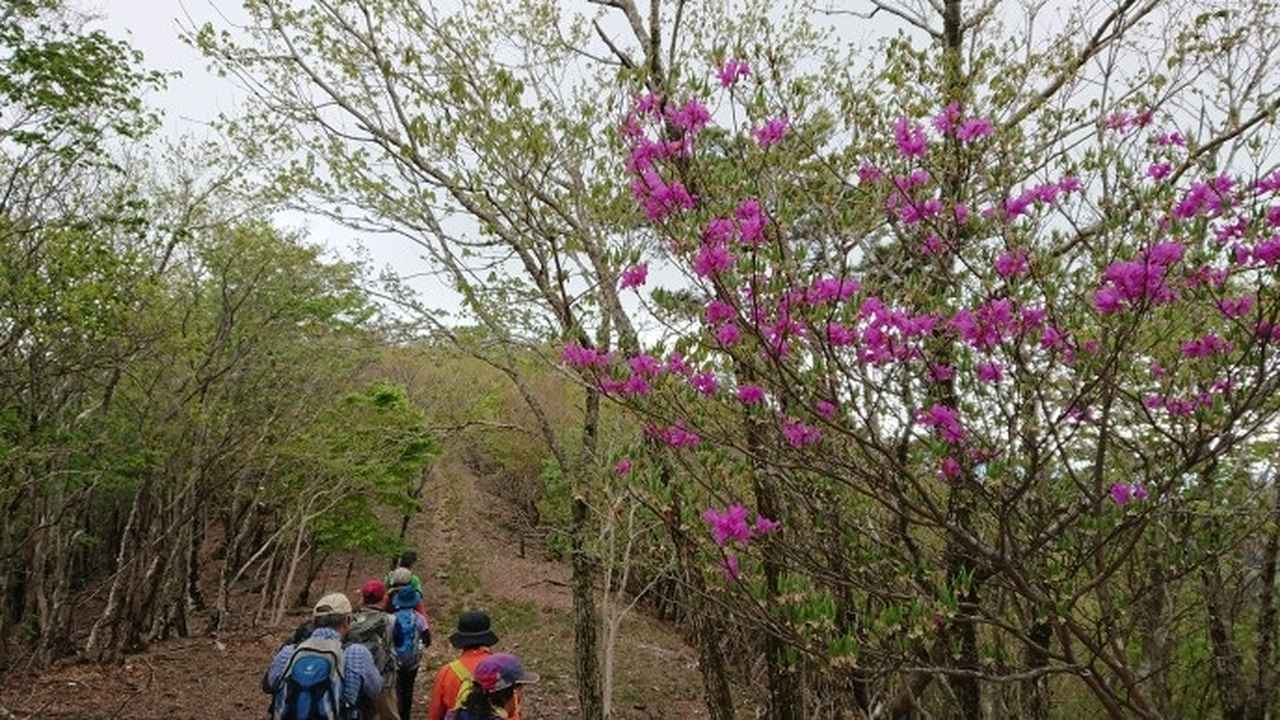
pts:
pixel 372 628
pixel 404 635
pixel 311 686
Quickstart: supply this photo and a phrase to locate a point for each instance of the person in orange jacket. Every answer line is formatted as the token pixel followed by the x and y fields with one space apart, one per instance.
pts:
pixel 475 638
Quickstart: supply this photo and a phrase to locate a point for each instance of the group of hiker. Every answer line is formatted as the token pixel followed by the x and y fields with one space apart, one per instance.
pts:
pixel 348 664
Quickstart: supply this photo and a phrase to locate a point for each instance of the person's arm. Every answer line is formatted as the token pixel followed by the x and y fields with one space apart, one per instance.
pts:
pixel 359 675
pixel 276 669
pixel 424 629
pixel 436 707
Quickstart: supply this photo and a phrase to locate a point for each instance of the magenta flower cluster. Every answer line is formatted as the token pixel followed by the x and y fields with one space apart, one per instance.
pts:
pixel 635 276
pixel 732 71
pixel 1133 283
pixel 1124 493
pixel 730 526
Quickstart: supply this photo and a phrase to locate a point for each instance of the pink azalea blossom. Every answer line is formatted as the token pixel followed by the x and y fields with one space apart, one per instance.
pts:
pixel 1107 300
pixel 1124 493
pixel 949 469
pixel 676 436
pixel 635 276
pixel 947 120
pixel 1236 307
pixel 1268 252
pixel 750 394
pixel 705 383
pixel 644 365
pixel 732 71
pixel 772 132
pixel 1032 317
pixel 728 334
pixel 729 525
pixel 718 311
pixel 910 138
pixel 712 259
pixel 799 435
pixel 1121 493
pixel 622 467
pixel 990 372
pixel 839 335
pixel 825 408
pixel 659 199
pixel 1206 346
pixel 1051 338
pixel 751 222
pixel 1211 196
pixel 1117 121
pixel 575 355
pixel 719 230
pixel 973 129
pixel 824 290
pixel 933 245
pixel 961 213
pixel 988 326
pixel 765 526
pixel 729 566
pixel 677 365
pixel 1012 264
pixel 636 386
pixel 691 118
pixel 945 422
pixel 941 373
pixel 649 103
pixel 1271 183
pixel 868 173
pixel 1159 171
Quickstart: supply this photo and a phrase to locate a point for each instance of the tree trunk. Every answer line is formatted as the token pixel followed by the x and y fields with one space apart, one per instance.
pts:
pixel 707 630
pixel 586 621
pixel 294 558
pixel 98 646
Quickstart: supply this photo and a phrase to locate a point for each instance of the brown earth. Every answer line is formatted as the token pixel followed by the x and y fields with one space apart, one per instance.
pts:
pixel 468 559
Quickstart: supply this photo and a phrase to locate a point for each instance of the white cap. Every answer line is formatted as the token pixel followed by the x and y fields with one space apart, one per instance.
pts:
pixel 333 604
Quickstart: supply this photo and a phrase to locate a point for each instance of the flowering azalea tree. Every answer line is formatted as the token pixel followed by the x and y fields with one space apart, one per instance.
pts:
pixel 968 404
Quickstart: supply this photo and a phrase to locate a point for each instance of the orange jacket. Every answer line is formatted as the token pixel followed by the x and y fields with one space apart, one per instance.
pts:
pixel 444 692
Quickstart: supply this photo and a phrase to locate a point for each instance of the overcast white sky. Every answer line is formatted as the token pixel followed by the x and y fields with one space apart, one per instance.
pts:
pixel 191 101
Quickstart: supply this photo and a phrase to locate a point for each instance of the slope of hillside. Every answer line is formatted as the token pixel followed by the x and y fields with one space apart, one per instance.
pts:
pixel 467 561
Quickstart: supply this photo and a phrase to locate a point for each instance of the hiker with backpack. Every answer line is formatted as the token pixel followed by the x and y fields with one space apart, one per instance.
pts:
pixel 406 561
pixel 410 636
pixel 474 637
pixel 373 627
pixel 318 678
pixel 496 689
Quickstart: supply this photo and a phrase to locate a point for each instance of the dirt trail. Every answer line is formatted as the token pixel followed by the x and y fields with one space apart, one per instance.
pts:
pixel 467 560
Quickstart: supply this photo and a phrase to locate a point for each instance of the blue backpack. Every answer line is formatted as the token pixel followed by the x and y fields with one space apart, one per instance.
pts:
pixel 404 634
pixel 311 686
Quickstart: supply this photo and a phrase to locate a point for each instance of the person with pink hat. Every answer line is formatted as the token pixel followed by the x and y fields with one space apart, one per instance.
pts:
pixel 496 689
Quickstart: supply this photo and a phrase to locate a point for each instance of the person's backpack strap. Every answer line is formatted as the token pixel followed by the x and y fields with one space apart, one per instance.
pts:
pixel 464 683
pixel 460 670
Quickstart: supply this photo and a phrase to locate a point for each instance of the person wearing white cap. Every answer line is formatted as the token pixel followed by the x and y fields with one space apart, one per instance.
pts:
pixel 319 672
